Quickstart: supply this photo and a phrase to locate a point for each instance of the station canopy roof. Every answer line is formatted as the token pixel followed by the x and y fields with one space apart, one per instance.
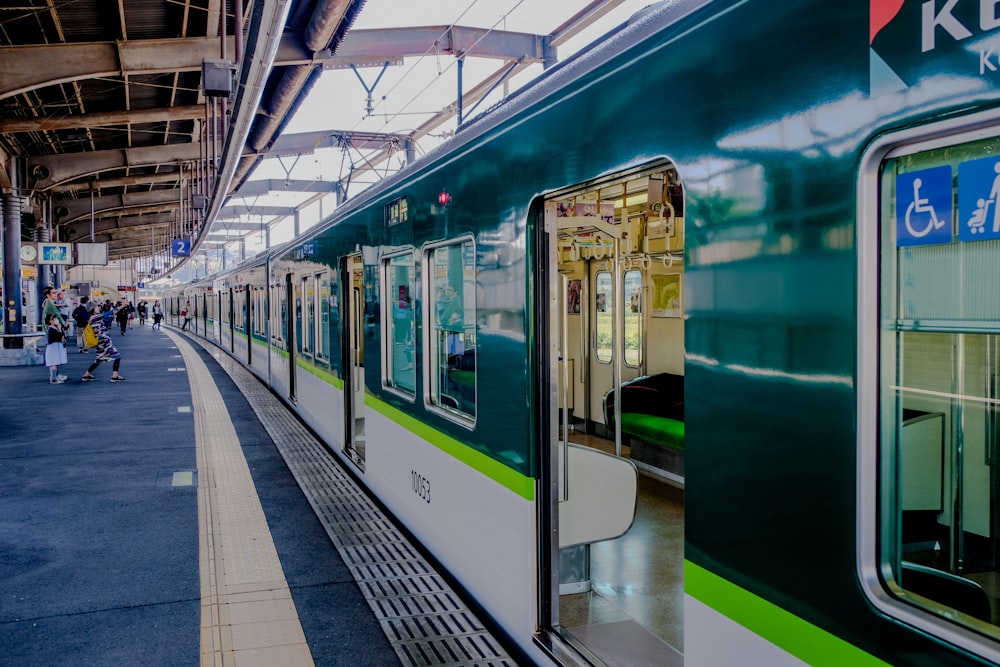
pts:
pixel 107 133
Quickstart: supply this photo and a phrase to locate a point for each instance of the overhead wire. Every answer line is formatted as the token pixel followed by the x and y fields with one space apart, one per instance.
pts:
pixel 402 110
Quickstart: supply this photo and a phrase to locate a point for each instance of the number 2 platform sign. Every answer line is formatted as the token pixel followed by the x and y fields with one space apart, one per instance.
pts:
pixel 180 248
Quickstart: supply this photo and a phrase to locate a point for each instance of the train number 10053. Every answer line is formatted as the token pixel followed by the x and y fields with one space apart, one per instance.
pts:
pixel 420 485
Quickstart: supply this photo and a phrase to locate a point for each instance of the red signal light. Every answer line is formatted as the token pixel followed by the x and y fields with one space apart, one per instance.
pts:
pixel 444 198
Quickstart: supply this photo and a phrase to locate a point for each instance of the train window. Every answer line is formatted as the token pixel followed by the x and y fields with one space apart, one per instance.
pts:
pixel 260 312
pixel 283 315
pixel 308 321
pixel 450 347
pixel 241 298
pixel 399 343
pixel 604 303
pixel 632 297
pixel 931 402
pixel 323 315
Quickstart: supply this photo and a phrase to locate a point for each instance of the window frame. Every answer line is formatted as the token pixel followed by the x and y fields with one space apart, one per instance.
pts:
pixel 387 299
pixel 874 572
pixel 428 338
pixel 608 310
pixel 307 316
pixel 322 310
pixel 640 316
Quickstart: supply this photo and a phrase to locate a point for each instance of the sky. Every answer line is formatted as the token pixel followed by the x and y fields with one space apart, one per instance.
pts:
pixel 406 96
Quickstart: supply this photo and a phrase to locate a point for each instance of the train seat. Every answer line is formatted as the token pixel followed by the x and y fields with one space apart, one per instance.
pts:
pixel 652 409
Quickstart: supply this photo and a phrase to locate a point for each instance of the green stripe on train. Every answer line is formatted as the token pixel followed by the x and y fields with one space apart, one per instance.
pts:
pixel 321 373
pixel 802 639
pixel 498 472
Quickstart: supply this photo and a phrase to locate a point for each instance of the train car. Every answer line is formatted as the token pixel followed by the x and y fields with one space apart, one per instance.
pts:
pixel 199 301
pixel 244 329
pixel 730 248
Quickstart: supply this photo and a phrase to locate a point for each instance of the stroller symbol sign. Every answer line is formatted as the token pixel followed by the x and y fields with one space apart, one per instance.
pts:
pixel 979 199
pixel 924 207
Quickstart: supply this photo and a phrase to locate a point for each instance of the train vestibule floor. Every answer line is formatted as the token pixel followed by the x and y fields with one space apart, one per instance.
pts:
pixel 633 613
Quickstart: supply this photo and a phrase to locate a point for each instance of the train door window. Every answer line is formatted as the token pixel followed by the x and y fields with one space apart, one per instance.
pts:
pixel 322 288
pixel 450 319
pixel 260 312
pixel 263 313
pixel 632 298
pixel 399 343
pixel 283 315
pixel 305 320
pixel 251 313
pixel 241 297
pixel 604 303
pixel 929 408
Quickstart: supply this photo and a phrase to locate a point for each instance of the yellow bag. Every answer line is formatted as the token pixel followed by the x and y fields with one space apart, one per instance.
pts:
pixel 90 336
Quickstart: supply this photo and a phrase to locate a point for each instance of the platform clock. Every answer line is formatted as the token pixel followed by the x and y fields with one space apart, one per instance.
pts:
pixel 29 252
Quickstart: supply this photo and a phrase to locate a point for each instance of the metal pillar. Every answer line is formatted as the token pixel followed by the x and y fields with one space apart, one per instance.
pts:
pixel 10 208
pixel 44 279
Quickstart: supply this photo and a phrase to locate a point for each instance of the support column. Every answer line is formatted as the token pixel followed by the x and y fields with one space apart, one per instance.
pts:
pixel 10 209
pixel 45 278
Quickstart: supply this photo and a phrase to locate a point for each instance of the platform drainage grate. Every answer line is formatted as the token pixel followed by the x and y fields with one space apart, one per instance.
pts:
pixel 426 622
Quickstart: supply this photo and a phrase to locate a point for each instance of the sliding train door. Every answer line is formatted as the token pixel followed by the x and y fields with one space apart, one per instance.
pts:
pixel 354 359
pixel 614 589
pixel 293 305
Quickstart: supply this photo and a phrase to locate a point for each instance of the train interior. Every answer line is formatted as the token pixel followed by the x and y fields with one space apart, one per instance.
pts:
pixel 946 437
pixel 941 429
pixel 619 257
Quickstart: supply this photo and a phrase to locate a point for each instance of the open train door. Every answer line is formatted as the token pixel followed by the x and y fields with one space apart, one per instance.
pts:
pixel 354 359
pixel 609 591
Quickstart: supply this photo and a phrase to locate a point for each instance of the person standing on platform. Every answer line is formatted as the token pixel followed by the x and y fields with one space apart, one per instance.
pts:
pixel 157 315
pixel 122 316
pixel 186 315
pixel 105 350
pixel 131 312
pixel 81 317
pixel 141 310
pixel 55 351
pixel 49 306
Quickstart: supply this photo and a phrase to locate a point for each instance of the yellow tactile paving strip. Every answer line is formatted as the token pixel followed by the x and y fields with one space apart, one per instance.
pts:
pixel 248 617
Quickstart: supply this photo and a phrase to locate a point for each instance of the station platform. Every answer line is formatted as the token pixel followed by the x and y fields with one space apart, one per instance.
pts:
pixel 185 517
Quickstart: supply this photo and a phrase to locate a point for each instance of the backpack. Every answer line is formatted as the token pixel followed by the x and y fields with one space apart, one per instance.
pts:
pixel 90 336
pixel 81 316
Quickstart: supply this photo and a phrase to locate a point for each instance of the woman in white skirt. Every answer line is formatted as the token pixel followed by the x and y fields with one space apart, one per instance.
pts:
pixel 55 351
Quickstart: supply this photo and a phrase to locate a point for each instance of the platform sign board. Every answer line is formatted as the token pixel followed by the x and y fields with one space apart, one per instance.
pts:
pixel 924 207
pixel 94 254
pixel 979 199
pixel 55 253
pixel 180 248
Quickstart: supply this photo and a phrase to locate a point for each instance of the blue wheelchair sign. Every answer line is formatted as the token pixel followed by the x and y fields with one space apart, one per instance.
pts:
pixel 180 248
pixel 924 207
pixel 979 199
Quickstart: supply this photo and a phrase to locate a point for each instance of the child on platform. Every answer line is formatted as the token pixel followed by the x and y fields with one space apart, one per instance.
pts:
pixel 55 350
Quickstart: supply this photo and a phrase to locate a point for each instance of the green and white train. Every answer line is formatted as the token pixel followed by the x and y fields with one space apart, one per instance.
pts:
pixel 777 246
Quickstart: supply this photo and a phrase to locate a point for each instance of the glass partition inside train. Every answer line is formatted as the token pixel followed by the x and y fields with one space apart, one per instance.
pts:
pixel 939 351
pixel 616 255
